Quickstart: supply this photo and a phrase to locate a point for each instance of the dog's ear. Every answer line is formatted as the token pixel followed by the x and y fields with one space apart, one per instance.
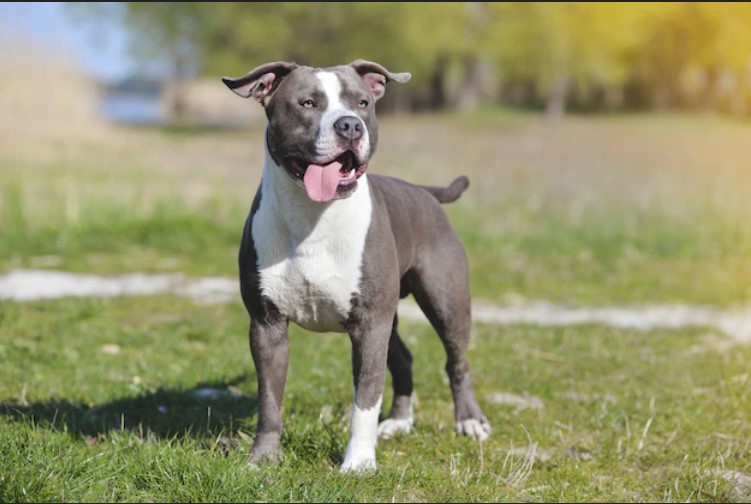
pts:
pixel 261 82
pixel 376 77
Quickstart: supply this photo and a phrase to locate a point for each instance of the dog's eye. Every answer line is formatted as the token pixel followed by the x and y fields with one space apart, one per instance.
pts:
pixel 308 104
pixel 363 104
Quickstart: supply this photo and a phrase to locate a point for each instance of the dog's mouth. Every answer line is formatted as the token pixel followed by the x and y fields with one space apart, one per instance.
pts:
pixel 323 180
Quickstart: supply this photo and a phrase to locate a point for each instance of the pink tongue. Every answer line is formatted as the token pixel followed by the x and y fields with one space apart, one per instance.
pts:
pixel 321 181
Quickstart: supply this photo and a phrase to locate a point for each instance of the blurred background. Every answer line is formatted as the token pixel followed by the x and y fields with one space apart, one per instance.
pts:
pixel 608 145
pixel 540 56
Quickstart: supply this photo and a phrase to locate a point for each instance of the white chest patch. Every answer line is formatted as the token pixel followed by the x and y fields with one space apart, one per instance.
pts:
pixel 309 253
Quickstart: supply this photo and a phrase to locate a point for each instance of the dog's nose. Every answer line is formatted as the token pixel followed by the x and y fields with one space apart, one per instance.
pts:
pixel 348 127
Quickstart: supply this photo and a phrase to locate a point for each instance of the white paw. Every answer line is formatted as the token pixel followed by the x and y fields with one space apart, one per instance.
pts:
pixel 360 455
pixel 392 426
pixel 357 464
pixel 476 429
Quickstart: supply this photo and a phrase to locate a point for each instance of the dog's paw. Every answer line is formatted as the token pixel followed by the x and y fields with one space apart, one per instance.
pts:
pixel 479 430
pixel 393 426
pixel 265 450
pixel 358 465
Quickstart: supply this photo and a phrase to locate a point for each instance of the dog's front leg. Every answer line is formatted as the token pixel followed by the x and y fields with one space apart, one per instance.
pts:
pixel 269 345
pixel 369 352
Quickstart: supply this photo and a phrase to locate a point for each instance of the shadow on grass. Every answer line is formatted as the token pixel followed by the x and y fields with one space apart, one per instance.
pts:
pixel 205 411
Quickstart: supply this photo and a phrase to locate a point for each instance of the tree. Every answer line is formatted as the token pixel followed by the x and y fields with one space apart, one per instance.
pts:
pixel 556 48
pixel 547 54
pixel 696 54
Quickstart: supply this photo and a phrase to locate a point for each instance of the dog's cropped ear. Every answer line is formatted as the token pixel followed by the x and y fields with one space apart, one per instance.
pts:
pixel 376 77
pixel 261 82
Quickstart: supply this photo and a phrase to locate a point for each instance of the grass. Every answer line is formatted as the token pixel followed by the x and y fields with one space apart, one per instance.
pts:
pixel 99 404
pixel 607 258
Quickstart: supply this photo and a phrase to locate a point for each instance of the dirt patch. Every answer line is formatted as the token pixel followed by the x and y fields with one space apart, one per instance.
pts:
pixel 29 285
pixel 520 402
pixel 740 483
pixel 735 323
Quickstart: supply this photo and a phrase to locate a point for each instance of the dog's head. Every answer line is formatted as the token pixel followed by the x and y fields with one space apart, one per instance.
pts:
pixel 322 125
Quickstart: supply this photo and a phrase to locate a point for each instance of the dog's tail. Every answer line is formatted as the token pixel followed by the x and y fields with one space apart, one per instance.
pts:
pixel 450 193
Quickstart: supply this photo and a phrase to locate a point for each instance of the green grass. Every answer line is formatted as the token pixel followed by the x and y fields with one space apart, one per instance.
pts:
pixel 98 404
pixel 609 257
pixel 114 238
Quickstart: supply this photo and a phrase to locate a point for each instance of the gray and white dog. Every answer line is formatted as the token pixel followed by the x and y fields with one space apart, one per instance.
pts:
pixel 333 249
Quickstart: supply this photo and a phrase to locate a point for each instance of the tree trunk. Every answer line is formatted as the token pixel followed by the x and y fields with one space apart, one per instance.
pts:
pixel 469 93
pixel 613 97
pixel 396 101
pixel 738 99
pixel 177 103
pixel 556 103
pixel 712 92
pixel 438 85
pixel 178 106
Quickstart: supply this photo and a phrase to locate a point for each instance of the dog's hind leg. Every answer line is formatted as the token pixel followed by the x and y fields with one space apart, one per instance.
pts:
pixel 441 288
pixel 399 362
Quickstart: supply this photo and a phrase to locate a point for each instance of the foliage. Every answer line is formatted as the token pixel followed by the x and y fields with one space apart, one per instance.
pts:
pixel 594 55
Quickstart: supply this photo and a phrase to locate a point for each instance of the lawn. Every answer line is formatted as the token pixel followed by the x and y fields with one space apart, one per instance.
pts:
pixel 106 400
pixel 153 398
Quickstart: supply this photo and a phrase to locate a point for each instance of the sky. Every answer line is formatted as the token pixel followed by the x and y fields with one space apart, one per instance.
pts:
pixel 101 50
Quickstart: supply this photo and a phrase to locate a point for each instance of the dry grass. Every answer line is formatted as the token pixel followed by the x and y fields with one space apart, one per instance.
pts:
pixel 48 106
pixel 52 135
pixel 639 161
pixel 49 127
pixel 208 101
pixel 582 166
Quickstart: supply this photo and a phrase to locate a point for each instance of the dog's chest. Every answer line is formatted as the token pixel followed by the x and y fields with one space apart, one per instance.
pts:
pixel 310 264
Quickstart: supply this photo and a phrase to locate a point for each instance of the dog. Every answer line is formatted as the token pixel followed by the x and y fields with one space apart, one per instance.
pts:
pixel 331 248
